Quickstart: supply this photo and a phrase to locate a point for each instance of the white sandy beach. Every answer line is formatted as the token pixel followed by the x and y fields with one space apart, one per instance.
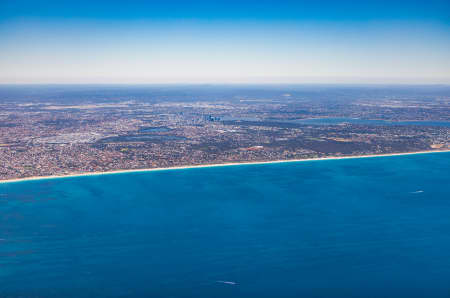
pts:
pixel 215 165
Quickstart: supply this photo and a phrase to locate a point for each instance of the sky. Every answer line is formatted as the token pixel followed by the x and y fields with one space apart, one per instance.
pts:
pixel 264 41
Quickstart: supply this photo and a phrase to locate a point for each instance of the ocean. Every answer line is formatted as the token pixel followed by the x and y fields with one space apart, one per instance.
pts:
pixel 363 227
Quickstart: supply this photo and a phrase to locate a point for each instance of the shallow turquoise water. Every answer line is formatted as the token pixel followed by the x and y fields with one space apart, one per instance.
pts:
pixel 377 227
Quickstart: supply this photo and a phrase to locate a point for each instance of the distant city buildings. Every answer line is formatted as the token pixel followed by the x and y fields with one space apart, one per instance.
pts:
pixel 40 138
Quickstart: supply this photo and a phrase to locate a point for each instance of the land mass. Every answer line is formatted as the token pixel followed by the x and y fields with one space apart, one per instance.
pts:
pixel 62 130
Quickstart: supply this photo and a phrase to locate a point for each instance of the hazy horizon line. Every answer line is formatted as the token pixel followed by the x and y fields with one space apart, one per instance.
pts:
pixel 228 84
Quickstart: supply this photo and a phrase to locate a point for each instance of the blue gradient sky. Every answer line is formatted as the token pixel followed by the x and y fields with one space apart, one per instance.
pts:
pixel 224 41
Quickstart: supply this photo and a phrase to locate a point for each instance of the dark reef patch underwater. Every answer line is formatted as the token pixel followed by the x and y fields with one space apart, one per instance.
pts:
pixel 370 227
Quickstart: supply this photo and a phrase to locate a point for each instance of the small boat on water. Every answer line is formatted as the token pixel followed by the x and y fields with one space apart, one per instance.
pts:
pixel 227 282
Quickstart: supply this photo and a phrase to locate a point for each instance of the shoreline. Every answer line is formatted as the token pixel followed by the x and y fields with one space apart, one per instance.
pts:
pixel 34 178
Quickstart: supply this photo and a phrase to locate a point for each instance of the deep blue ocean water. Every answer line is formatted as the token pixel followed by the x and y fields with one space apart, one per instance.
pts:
pixel 373 227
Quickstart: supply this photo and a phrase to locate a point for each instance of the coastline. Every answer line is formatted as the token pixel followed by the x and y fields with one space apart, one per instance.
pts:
pixel 33 178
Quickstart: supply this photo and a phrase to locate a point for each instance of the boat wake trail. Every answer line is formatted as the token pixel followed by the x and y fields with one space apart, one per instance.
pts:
pixel 227 282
